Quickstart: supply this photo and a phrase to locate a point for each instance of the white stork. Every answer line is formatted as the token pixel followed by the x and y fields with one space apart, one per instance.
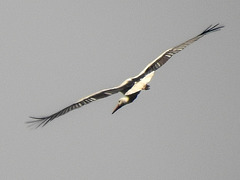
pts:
pixel 131 87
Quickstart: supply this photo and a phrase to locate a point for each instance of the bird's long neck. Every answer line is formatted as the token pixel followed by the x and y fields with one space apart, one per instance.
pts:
pixel 133 96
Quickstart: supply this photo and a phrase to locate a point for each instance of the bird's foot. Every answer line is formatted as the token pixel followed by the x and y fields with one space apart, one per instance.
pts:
pixel 146 87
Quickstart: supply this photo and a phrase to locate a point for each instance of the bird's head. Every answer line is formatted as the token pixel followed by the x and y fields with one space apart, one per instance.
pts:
pixel 121 102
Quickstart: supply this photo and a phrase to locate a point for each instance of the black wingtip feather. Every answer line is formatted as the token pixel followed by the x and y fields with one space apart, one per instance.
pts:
pixel 212 28
pixel 38 122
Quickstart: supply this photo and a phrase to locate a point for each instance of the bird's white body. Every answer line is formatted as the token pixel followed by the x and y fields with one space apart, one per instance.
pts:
pixel 138 86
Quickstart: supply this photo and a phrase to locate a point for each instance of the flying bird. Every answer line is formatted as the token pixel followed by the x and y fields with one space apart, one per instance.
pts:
pixel 131 87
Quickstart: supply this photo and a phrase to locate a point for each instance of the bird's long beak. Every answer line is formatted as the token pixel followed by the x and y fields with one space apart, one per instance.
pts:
pixel 116 108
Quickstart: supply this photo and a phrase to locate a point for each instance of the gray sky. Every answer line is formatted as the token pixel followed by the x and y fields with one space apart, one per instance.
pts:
pixel 54 53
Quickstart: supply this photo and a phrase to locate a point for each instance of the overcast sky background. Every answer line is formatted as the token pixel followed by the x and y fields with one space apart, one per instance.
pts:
pixel 53 53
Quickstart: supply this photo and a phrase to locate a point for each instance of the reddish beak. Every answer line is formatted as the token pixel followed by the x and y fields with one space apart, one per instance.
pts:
pixel 116 108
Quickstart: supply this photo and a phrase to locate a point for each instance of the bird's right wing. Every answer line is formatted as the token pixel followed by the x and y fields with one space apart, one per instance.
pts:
pixel 42 121
pixel 164 57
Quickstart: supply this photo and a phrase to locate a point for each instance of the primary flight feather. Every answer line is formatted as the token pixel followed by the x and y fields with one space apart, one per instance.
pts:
pixel 130 87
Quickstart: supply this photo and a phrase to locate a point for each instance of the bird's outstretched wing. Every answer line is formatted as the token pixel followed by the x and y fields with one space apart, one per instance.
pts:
pixel 42 121
pixel 164 57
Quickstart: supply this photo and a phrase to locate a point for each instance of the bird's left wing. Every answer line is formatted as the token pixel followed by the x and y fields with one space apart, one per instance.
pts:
pixel 164 57
pixel 42 121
